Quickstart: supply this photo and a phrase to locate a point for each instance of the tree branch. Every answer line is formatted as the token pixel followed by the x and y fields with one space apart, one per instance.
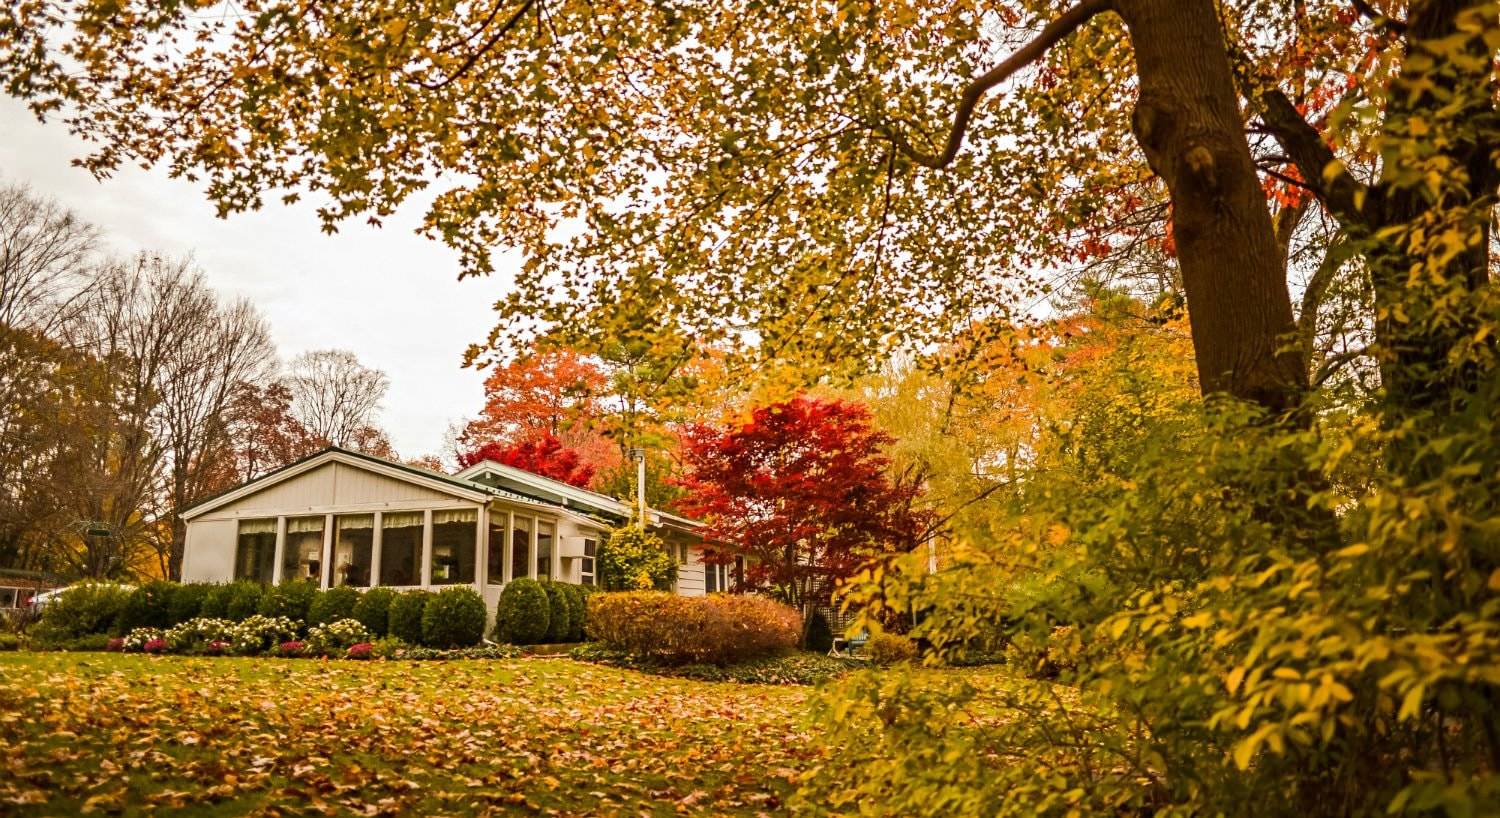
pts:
pixel 1321 170
pixel 1034 50
pixel 1385 21
pixel 482 50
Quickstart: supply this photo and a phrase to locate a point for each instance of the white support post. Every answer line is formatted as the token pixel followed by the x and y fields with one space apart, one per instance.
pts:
pixel 375 541
pixel 427 548
pixel 280 550
pixel 327 551
pixel 509 546
pixel 531 554
pixel 556 552
pixel 481 553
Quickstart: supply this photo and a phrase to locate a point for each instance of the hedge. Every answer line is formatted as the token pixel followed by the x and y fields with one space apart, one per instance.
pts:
pixel 149 606
pixel 332 605
pixel 187 602
pixel 405 621
pixel 559 613
pixel 577 611
pixel 524 612
pixel 374 610
pixel 719 629
pixel 453 618
pixel 84 609
pixel 290 599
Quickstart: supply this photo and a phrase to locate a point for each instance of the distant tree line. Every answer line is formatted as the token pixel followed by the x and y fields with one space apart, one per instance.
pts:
pixel 129 390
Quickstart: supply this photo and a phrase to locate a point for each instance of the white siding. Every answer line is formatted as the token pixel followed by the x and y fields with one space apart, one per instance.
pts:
pixel 334 486
pixel 690 573
pixel 208 554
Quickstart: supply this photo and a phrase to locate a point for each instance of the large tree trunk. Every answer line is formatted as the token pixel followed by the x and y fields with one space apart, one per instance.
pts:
pixel 1187 121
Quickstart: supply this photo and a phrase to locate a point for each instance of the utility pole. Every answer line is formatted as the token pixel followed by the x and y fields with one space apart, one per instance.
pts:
pixel 639 455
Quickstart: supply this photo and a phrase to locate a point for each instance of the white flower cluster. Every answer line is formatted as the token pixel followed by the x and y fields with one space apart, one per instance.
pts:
pixel 136 640
pixel 258 634
pixel 196 633
pixel 337 636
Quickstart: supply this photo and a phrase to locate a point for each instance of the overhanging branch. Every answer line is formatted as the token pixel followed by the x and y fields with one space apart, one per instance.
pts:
pixel 1050 35
pixel 1321 170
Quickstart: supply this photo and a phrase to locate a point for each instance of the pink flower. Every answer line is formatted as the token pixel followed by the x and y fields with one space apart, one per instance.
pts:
pixel 361 650
pixel 291 648
pixel 115 645
pixel 217 647
pixel 154 646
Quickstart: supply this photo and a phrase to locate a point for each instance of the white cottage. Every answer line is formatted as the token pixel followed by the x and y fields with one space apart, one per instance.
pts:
pixel 344 518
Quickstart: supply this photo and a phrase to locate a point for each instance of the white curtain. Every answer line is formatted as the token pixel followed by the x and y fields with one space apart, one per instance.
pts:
pixel 258 526
pixel 464 515
pixel 401 519
pixel 304 525
pixel 348 521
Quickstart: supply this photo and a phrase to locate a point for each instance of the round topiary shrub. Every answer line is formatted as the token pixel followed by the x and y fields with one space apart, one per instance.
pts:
pixel 373 610
pixel 577 611
pixel 149 606
pixel 523 614
pixel 633 559
pixel 405 621
pixel 187 602
pixel 453 618
pixel 559 613
pixel 290 599
pixel 243 600
pixel 819 634
pixel 332 605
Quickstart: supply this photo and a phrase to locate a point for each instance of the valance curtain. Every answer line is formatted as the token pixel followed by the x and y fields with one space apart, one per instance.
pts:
pixel 258 526
pixel 304 525
pixel 347 522
pixel 464 515
pixel 401 519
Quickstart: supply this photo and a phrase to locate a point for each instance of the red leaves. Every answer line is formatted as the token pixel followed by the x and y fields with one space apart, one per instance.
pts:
pixel 544 455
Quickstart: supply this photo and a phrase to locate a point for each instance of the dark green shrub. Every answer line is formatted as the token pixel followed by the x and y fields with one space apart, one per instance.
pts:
pixel 819 634
pixel 289 599
pixel 216 602
pixel 374 610
pixel 577 611
pixel 187 601
pixel 523 613
pixel 559 613
pixel 149 606
pixel 96 642
pixel 244 600
pixel 10 641
pixel 453 618
pixel 85 608
pixel 332 605
pixel 406 616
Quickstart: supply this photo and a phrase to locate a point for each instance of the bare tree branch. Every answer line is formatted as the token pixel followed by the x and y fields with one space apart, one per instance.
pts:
pixel 1034 50
pixel 1321 170
pixel 1385 21
pixel 473 57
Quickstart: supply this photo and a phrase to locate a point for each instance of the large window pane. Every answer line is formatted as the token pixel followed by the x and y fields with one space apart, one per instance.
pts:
pixel 401 548
pixel 520 548
pixel 352 549
pixel 544 550
pixel 255 550
pixel 453 541
pixel 303 557
pixel 496 561
pixel 586 564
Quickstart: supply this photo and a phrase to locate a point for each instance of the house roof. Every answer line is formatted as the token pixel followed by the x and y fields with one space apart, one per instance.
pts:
pixel 572 496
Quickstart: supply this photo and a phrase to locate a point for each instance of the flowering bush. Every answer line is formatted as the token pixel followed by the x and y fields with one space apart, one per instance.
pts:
pixel 115 645
pixel 195 634
pixel 136 640
pixel 155 646
pixel 363 650
pixel 257 634
pixel 336 637
pixel 719 629
pixel 290 647
pixel 217 648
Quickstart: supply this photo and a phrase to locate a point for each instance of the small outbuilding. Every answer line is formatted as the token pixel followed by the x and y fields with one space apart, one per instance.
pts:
pixel 341 517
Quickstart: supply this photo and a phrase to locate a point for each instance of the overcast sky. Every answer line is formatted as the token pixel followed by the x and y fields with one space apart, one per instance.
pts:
pixel 387 294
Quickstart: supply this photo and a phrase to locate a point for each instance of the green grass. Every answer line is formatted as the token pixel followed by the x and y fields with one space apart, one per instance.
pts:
pixel 232 736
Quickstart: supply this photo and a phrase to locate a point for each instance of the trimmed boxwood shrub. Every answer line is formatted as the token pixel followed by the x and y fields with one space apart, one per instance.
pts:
pixel 523 613
pixel 559 613
pixel 85 608
pixel 332 605
pixel 720 629
pixel 244 600
pixel 453 618
pixel 187 602
pixel 405 622
pixel 149 606
pixel 373 610
pixel 290 599
pixel 577 611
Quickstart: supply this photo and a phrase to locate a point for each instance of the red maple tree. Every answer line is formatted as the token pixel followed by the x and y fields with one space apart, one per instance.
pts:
pixel 543 454
pixel 802 492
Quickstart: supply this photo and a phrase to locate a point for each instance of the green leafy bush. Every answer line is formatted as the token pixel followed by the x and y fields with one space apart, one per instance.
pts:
pixel 187 602
pixel 149 606
pixel 83 609
pixel 290 599
pixel 559 613
pixel 523 613
pixel 890 648
pixel 819 634
pixel 577 611
pixel 332 605
pixel 406 616
pixel 244 600
pixel 334 638
pixel 374 610
pixel 453 618
pixel 720 629
pixel 10 641
pixel 633 559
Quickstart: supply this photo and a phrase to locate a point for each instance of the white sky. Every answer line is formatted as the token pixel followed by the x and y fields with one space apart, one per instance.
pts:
pixel 387 294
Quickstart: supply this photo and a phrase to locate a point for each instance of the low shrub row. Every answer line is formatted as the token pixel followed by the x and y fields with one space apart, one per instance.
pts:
pixel 534 613
pixel 88 614
pixel 717 629
pixel 277 636
pixel 797 668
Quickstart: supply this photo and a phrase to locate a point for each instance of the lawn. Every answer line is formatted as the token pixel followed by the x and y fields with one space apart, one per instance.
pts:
pixel 106 733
